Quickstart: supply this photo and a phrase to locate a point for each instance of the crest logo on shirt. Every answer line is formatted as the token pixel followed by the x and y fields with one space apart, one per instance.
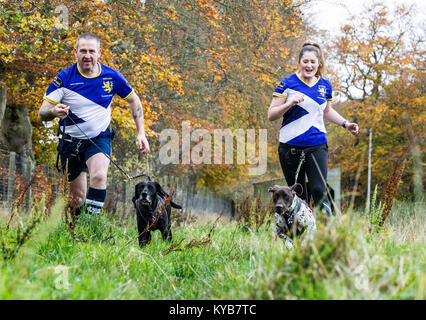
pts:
pixel 322 91
pixel 107 86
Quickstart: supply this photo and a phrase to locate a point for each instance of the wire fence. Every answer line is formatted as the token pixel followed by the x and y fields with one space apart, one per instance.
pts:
pixel 23 181
pixel 195 200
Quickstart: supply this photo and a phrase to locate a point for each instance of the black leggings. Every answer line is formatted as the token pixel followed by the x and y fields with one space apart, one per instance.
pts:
pixel 290 159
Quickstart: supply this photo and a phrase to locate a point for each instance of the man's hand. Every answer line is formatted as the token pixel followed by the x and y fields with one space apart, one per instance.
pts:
pixel 61 111
pixel 49 111
pixel 142 143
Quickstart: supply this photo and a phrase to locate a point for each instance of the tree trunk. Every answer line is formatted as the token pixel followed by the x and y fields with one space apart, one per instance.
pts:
pixel 2 97
pixel 16 130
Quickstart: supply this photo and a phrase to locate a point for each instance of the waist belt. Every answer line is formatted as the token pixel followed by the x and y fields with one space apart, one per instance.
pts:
pixel 297 150
pixel 67 137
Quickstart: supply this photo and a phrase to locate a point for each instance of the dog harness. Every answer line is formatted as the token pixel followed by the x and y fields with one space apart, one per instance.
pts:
pixel 157 211
pixel 286 220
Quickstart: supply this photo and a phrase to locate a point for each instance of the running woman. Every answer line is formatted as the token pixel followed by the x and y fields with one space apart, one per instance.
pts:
pixel 303 101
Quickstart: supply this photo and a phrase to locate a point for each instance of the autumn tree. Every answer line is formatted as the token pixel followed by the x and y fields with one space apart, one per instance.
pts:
pixel 23 35
pixel 261 41
pixel 35 48
pixel 379 70
pixel 230 55
pixel 214 63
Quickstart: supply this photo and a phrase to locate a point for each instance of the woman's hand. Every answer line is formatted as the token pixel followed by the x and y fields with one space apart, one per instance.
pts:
pixel 352 127
pixel 280 105
pixel 295 99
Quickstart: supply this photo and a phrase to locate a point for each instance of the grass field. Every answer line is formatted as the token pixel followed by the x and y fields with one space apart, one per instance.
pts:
pixel 349 259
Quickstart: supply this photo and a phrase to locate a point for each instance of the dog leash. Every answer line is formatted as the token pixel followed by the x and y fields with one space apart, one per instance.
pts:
pixel 302 159
pixel 91 141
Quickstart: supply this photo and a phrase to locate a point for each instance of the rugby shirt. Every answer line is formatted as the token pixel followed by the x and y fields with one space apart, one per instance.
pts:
pixel 303 124
pixel 89 98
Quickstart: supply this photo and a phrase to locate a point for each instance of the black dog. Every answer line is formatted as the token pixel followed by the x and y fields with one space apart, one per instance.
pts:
pixel 149 200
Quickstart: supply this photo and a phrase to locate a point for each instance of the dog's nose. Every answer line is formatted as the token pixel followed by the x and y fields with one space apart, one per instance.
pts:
pixel 278 208
pixel 144 194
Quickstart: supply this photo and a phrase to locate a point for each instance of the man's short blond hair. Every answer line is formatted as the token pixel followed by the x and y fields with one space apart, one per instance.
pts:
pixel 88 36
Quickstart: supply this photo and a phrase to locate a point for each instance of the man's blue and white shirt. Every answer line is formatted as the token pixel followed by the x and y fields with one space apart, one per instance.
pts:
pixel 89 98
pixel 303 124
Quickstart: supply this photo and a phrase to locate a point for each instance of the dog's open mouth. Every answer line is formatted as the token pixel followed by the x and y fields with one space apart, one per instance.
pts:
pixel 144 202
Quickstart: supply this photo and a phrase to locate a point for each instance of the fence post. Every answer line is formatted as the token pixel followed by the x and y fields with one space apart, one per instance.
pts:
pixel 124 198
pixel 11 180
pixel 28 172
pixel 129 196
pixel 165 185
pixel 179 189
pixel 194 194
pixel 185 202
pixel 370 148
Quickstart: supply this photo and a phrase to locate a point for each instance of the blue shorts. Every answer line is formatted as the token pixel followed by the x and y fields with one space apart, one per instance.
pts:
pixel 74 154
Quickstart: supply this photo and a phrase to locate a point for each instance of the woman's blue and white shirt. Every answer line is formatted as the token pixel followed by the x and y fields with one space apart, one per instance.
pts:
pixel 303 124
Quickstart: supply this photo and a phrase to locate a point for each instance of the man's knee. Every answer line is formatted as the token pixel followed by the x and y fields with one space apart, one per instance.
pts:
pixel 98 170
pixel 98 176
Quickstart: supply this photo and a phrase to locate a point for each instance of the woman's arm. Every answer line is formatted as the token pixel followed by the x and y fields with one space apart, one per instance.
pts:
pixel 332 115
pixel 279 106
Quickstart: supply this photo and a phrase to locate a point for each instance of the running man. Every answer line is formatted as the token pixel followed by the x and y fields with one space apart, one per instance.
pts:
pixel 81 97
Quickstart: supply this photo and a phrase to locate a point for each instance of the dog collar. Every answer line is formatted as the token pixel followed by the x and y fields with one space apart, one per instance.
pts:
pixel 294 205
pixel 157 211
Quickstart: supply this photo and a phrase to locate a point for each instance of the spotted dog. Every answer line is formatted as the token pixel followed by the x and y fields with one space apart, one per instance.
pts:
pixel 292 215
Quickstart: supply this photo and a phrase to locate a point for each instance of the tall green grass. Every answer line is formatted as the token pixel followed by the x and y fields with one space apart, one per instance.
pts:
pixel 348 259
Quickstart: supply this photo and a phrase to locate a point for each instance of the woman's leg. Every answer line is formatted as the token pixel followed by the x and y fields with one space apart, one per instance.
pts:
pixel 316 170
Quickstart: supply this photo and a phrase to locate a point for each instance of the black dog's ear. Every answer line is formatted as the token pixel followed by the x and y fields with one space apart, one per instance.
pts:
pixel 273 189
pixel 137 190
pixel 159 189
pixel 297 187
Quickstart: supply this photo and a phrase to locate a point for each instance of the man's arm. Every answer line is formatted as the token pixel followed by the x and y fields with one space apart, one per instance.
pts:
pixel 49 111
pixel 135 106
